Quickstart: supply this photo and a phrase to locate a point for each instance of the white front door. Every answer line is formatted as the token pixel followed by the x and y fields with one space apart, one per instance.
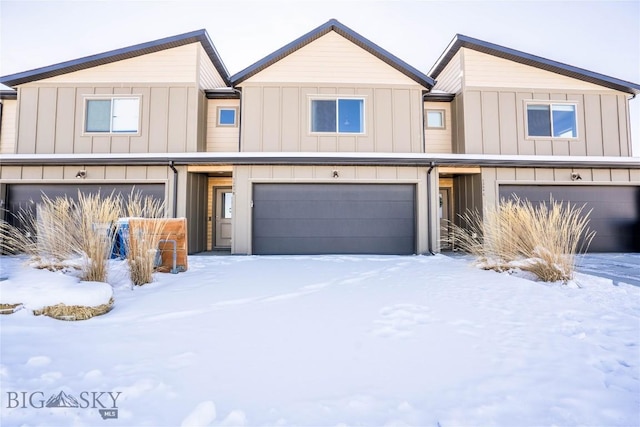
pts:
pixel 223 209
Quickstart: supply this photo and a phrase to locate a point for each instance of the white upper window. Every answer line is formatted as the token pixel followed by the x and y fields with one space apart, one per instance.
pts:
pixel 112 115
pixel 551 120
pixel 337 115
pixel 435 119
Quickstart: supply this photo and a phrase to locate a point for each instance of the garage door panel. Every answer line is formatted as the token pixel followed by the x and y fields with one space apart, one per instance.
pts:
pixel 615 210
pixel 23 196
pixel 328 245
pixel 333 218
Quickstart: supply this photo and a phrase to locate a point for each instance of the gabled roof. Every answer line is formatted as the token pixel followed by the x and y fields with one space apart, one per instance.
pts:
pixel 532 60
pixel 349 34
pixel 120 54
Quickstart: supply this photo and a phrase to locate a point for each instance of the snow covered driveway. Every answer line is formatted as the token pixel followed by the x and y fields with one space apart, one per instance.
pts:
pixel 333 340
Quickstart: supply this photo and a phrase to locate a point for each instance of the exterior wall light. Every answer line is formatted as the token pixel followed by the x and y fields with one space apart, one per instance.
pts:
pixel 575 176
pixel 82 174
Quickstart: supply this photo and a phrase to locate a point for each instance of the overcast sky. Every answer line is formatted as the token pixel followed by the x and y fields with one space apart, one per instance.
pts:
pixel 601 36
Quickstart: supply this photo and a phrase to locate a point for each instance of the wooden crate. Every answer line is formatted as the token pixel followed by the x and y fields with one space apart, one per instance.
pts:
pixel 174 229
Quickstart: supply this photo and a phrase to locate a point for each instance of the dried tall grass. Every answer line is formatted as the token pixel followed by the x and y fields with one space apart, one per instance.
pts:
pixel 48 235
pixel 94 218
pixel 542 239
pixel 144 236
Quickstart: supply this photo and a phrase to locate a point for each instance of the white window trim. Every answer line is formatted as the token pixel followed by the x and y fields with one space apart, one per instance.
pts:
pixel 110 98
pixel 528 102
pixel 437 110
pixel 336 98
pixel 235 117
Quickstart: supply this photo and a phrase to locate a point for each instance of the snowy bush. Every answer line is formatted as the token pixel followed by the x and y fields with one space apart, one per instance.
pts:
pixel 543 239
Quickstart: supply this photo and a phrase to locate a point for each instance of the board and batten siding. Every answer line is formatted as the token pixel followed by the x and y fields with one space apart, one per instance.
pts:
pixel 492 177
pixel 331 59
pixel 8 126
pixel 175 65
pixel 222 138
pixel 51 120
pixel 276 118
pixel 95 173
pixel 450 79
pixel 495 120
pixel 439 140
pixel 245 176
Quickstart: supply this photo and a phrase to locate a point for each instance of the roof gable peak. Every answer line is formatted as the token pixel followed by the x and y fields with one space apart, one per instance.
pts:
pixel 128 52
pixel 347 33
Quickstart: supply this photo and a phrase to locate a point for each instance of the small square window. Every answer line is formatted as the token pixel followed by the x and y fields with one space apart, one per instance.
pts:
pixel 435 119
pixel 227 116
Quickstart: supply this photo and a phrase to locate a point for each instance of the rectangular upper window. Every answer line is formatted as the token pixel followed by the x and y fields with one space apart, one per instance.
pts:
pixel 337 115
pixel 112 115
pixel 551 120
pixel 435 119
pixel 227 116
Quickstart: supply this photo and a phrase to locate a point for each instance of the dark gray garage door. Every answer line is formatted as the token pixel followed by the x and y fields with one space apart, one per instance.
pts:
pixel 21 196
pixel 615 216
pixel 333 219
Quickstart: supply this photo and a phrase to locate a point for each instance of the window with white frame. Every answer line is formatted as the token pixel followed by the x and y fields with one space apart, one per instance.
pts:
pixel 435 119
pixel 112 115
pixel 227 116
pixel 337 115
pixel 551 120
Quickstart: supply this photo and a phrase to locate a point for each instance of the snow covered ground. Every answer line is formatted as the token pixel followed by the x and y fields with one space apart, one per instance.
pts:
pixel 330 340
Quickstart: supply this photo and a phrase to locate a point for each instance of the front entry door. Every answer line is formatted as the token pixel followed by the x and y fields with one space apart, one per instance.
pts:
pixel 223 208
pixel 445 238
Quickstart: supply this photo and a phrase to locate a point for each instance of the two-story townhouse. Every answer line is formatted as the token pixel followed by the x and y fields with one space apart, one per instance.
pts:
pixel 539 129
pixel 329 145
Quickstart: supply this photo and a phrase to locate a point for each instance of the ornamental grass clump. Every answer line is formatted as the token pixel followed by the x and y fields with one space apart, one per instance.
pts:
pixel 146 225
pixel 46 232
pixel 94 217
pixel 542 239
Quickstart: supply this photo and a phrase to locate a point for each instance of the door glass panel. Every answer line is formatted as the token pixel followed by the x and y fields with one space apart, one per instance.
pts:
pixel 227 203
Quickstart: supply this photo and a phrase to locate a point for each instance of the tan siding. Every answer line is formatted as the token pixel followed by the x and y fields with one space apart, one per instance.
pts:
pixel 8 126
pixel 167 66
pixel 450 79
pixel 508 123
pixel 291 120
pixel 65 120
pixel 623 126
pixel 484 70
pixel 331 59
pixel 27 120
pixel 95 174
pixel 393 120
pixel 159 116
pixel 209 78
pixel 495 123
pixel 439 140
pixel 221 138
pixel 610 125
pixel 593 122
